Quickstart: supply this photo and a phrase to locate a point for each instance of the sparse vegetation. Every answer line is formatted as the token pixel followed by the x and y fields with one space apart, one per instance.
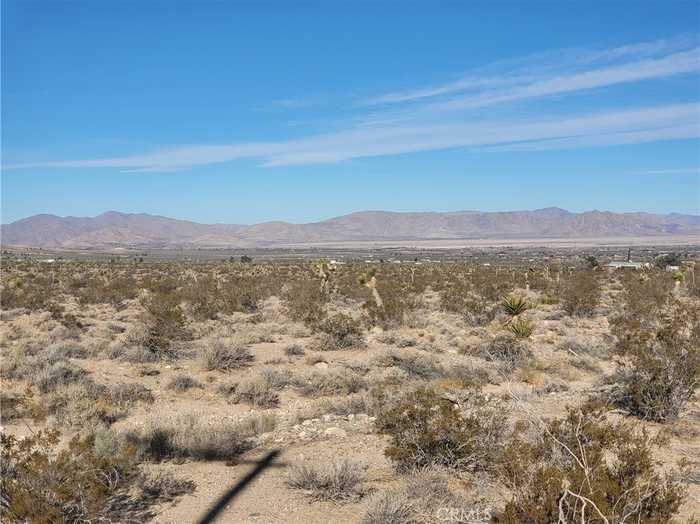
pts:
pixel 468 375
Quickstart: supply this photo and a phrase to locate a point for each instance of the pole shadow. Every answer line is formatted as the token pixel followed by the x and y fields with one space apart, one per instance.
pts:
pixel 235 490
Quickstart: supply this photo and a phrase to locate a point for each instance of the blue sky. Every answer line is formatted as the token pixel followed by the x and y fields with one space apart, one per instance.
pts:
pixel 240 113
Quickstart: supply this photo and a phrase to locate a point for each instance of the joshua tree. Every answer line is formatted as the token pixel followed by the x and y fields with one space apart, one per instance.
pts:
pixel 369 280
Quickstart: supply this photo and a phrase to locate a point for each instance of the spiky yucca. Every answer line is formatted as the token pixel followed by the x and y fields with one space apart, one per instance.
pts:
pixel 514 305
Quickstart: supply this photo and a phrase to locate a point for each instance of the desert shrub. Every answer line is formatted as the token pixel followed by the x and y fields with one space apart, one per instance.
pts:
pixel 507 350
pixel 583 468
pixel 183 382
pixel 426 497
pixel 660 370
pixel 277 378
pixel 579 347
pixel 188 437
pixel 581 294
pixel 339 331
pixel 479 311
pixel 255 390
pixel 391 506
pixel 646 295
pixel 164 323
pixel 80 405
pixel 57 374
pixel 426 431
pixel 331 382
pixel 294 350
pixel 305 301
pixel 128 394
pixel 337 481
pixel 415 364
pixel 42 483
pixel 224 355
pixel 31 291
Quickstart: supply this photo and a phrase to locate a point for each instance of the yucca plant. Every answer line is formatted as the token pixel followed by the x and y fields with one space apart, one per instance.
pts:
pixel 521 327
pixel 514 305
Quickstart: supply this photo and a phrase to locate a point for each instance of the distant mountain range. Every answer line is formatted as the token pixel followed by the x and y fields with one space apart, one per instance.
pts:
pixel 114 229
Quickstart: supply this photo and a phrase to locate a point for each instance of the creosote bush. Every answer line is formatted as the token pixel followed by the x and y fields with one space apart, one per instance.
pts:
pixel 427 430
pixel 660 370
pixel 339 331
pixel 583 468
pixel 42 483
pixel 581 294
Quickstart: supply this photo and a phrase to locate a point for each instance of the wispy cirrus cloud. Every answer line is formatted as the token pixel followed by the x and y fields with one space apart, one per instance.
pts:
pixel 557 72
pixel 443 117
pixel 609 128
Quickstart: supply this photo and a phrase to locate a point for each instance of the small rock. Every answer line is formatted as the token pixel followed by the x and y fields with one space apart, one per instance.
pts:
pixel 321 365
pixel 335 432
pixel 307 423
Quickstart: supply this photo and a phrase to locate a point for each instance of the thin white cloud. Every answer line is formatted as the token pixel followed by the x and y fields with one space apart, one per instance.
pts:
pixel 677 63
pixel 560 71
pixel 440 117
pixel 601 129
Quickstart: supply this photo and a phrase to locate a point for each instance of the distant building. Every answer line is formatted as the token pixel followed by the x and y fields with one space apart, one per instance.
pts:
pixel 626 264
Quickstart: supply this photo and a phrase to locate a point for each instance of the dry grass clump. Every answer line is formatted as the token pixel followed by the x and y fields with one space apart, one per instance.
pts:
pixel 414 363
pixel 338 481
pixel 391 506
pixel 128 394
pixel 79 405
pixel 224 355
pixel 42 483
pixel 506 349
pixel 329 382
pixel 426 430
pixel 53 376
pixel 583 468
pixel 183 382
pixel 188 437
pixel 256 390
pixel 426 497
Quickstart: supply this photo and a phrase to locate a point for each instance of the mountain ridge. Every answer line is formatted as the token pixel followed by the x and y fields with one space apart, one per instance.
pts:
pixel 114 228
